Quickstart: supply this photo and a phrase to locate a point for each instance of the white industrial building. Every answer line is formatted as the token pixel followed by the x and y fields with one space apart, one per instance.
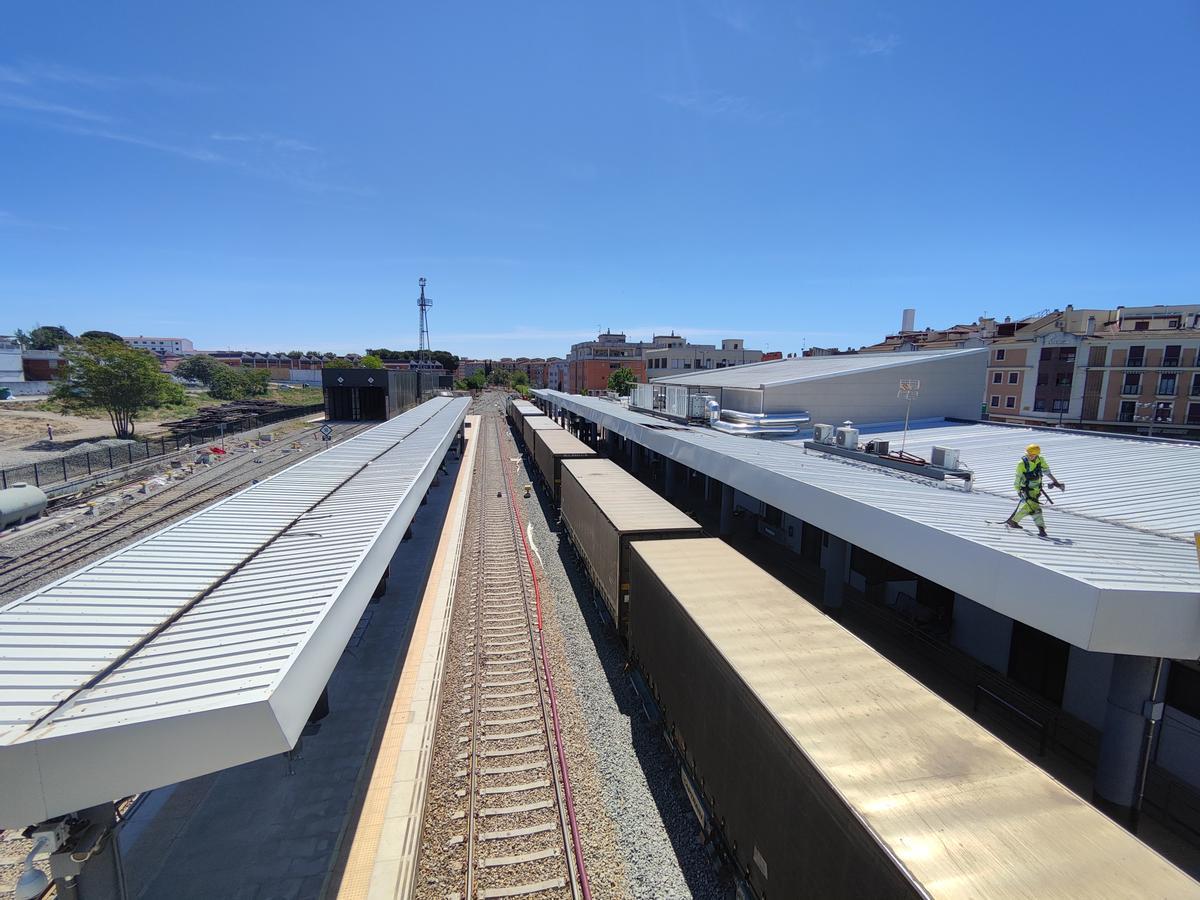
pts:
pixel 862 388
pixel 1076 632
pixel 12 368
pixel 162 345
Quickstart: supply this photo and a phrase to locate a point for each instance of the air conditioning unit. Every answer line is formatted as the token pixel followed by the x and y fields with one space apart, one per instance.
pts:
pixel 847 438
pixel 698 405
pixel 945 457
pixel 823 434
pixel 879 448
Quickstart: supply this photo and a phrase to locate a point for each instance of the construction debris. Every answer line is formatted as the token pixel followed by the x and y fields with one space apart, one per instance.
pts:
pixel 225 414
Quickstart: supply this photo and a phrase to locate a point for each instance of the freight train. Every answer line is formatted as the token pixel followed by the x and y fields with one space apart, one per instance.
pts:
pixel 819 767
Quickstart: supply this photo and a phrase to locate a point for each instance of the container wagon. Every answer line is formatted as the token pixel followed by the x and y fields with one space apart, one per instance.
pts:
pixel 833 773
pixel 551 447
pixel 604 508
pixel 530 424
pixel 517 409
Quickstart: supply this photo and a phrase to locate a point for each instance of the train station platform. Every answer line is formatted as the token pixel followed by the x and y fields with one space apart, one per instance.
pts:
pixel 1116 584
pixel 378 855
pixel 208 644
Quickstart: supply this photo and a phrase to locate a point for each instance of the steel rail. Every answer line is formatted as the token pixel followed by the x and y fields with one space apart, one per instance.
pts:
pixel 569 802
pixel 58 551
pixel 501 588
pixel 562 791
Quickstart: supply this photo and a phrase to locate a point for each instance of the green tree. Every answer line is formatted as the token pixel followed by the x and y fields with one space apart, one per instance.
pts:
pixel 519 378
pixel 225 383
pixel 101 336
pixel 50 337
pixel 117 379
pixel 621 380
pixel 443 358
pixel 23 339
pixel 371 361
pixel 477 381
pixel 338 362
pixel 255 382
pixel 294 354
pixel 200 368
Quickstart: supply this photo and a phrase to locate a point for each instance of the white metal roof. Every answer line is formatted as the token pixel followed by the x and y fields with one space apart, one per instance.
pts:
pixel 206 644
pixel 1145 484
pixel 808 368
pixel 1100 584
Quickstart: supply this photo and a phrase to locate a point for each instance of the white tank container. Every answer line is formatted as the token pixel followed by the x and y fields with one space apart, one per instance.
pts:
pixel 21 503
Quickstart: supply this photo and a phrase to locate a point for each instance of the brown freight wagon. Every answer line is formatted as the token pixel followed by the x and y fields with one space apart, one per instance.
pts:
pixel 604 507
pixel 517 409
pixel 530 424
pixel 552 446
pixel 832 773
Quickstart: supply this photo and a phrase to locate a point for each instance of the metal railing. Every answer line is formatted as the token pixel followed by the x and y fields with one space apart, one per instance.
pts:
pixel 75 466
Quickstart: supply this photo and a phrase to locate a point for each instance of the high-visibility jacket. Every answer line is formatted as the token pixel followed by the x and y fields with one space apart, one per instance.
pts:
pixel 1029 476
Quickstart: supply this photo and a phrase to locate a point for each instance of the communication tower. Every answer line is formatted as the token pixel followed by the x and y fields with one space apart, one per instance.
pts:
pixel 423 304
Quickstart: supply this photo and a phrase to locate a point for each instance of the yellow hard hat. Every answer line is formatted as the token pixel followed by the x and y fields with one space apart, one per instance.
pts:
pixel 1033 450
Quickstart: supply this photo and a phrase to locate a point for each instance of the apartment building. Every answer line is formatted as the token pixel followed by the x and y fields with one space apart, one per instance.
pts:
pixel 590 363
pixel 557 374
pixel 1132 369
pixel 672 353
pixel 162 345
pixel 468 367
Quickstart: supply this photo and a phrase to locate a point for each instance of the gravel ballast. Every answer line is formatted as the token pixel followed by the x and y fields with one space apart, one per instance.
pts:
pixel 658 839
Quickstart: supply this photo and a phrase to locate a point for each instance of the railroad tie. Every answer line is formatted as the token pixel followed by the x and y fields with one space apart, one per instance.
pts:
pixel 516 810
pixel 515 788
pixel 510 833
pixel 521 890
pixel 520 858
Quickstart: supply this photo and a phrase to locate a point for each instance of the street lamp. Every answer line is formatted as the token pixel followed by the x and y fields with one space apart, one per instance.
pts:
pixel 1149 418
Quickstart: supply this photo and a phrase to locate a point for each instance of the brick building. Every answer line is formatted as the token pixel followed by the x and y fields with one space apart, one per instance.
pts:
pixel 590 363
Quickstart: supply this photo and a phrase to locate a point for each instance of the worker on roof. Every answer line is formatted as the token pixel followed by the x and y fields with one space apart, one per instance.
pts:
pixel 1028 484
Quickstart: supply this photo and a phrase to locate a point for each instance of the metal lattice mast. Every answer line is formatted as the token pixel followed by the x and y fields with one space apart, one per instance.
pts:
pixel 423 304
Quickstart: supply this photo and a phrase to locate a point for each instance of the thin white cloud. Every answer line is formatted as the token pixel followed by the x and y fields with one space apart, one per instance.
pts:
pixel 877 44
pixel 264 138
pixel 13 75
pixel 264 155
pixel 733 15
pixel 198 154
pixel 25 103
pixel 718 104
pixel 34 72
pixel 11 220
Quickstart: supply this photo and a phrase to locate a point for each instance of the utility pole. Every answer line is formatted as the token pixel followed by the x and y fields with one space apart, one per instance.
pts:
pixel 423 304
pixel 909 389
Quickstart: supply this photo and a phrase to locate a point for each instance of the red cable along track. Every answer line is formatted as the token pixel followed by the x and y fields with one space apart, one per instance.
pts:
pixel 558 740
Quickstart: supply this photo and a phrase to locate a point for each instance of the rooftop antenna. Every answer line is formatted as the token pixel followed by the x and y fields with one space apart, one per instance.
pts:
pixel 423 304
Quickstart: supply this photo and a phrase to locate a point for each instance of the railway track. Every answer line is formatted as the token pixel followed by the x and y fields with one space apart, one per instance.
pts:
pixel 126 525
pixel 510 830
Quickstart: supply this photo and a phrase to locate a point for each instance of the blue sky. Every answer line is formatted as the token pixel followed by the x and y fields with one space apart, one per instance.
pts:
pixel 278 175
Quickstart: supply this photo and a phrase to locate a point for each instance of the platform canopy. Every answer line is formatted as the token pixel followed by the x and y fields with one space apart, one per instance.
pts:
pixel 1117 576
pixel 207 644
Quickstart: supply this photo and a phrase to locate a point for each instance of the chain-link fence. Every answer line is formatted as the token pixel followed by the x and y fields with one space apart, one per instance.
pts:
pixel 73 466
